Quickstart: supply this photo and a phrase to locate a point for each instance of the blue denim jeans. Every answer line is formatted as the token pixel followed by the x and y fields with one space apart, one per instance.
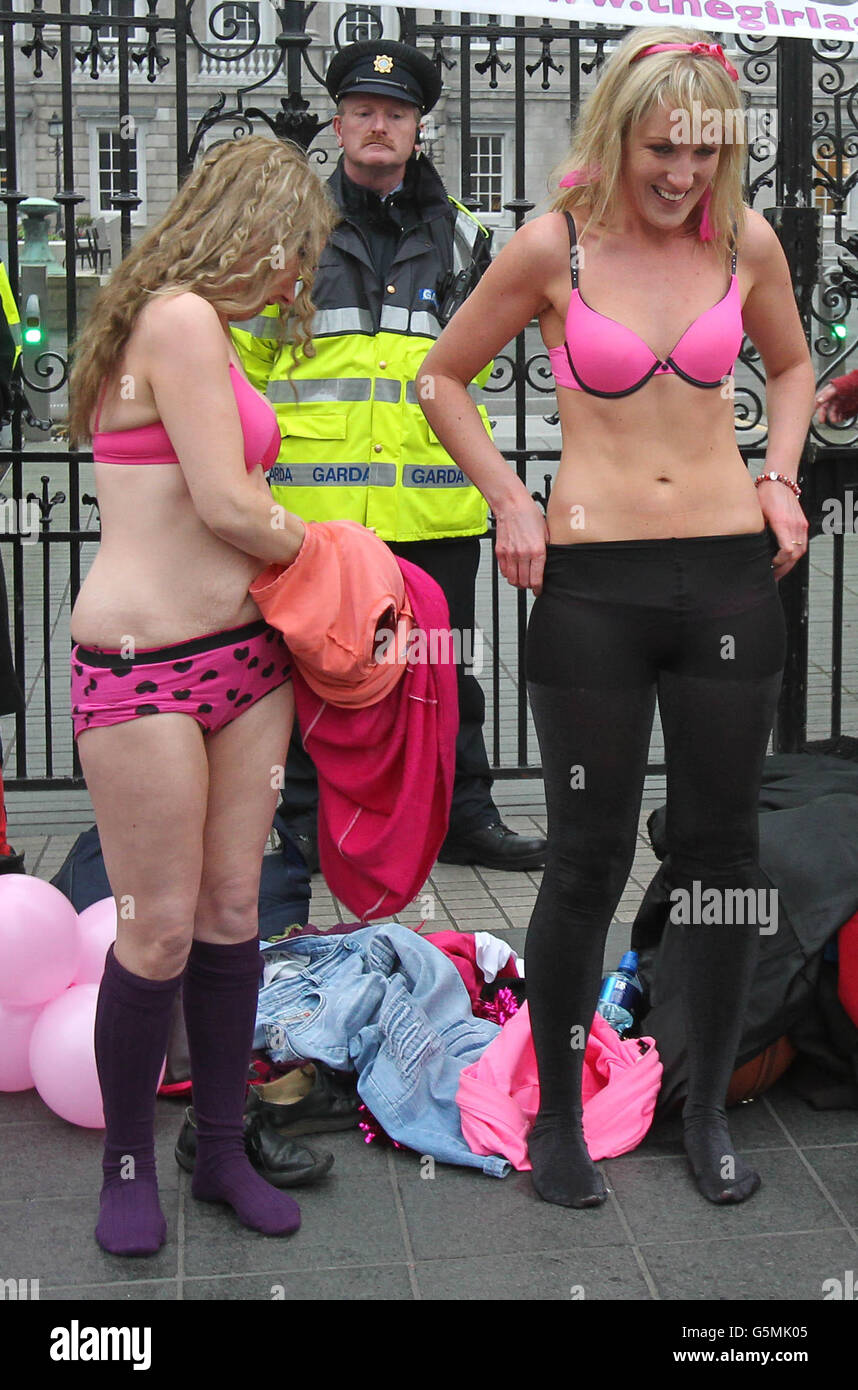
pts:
pixel 390 1006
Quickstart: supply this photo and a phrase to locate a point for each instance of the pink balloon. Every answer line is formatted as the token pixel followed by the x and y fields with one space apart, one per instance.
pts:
pixel 38 940
pixel 16 1027
pixel 97 929
pixel 62 1057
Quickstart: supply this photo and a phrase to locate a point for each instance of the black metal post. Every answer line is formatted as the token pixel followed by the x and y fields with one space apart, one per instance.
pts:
pixel 797 223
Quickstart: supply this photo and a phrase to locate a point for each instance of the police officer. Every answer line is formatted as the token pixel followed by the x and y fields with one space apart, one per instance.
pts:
pixel 355 442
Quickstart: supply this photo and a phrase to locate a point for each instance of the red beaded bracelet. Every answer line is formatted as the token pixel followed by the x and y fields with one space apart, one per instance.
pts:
pixel 778 478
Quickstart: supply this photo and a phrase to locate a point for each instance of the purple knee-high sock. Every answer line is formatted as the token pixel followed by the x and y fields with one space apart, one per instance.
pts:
pixel 220 996
pixel 132 1024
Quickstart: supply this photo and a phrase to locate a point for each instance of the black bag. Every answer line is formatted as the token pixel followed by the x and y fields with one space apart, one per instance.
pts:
pixel 809 853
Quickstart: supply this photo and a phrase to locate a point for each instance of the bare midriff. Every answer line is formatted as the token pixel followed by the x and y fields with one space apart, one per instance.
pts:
pixel 161 575
pixel 661 462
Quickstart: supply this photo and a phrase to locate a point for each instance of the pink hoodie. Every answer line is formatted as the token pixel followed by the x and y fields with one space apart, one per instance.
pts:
pixel 498 1096
pixel 386 770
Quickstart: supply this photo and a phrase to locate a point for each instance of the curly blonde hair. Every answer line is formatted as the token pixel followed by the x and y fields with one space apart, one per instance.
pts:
pixel 251 206
pixel 627 91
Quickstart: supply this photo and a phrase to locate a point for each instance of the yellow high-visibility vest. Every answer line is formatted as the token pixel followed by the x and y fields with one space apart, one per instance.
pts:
pixel 10 309
pixel 356 444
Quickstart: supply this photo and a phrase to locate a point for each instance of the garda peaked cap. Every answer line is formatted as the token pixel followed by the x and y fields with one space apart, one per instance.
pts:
pixel 382 67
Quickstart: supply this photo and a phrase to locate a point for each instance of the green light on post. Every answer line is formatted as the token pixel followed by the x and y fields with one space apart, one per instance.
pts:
pixel 839 330
pixel 33 332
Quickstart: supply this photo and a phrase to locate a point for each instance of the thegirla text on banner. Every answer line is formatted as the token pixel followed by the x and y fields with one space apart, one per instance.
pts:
pixel 837 17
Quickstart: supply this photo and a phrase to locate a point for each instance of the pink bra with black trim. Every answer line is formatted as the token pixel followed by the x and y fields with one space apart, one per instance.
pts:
pixel 605 358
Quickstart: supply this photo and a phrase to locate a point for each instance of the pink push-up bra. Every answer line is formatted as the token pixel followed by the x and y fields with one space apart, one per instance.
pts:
pixel 604 358
pixel 151 443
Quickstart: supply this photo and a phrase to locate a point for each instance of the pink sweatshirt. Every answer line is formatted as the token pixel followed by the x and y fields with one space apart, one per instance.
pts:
pixel 498 1096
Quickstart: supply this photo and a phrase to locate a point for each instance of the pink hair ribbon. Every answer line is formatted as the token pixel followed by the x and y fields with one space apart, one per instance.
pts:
pixel 705 50
pixel 578 176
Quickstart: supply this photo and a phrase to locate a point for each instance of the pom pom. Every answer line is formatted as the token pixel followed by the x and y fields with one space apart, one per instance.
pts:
pixel 373 1131
pixel 499 1010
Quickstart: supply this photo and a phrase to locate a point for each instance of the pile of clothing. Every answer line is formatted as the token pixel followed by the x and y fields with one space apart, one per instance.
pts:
pixel 398 1010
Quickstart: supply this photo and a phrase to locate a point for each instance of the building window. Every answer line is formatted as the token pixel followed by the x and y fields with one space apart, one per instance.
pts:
pixel 244 17
pixel 478 24
pixel 487 172
pixel 110 32
pixel 838 170
pixel 363 22
pixel 109 185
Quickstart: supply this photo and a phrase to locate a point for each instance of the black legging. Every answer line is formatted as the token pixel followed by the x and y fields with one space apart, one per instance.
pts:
pixel 697 623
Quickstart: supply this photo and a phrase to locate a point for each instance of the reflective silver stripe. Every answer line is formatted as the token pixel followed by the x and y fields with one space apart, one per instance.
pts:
pixel 394 319
pixel 263 326
pixel 415 475
pixel 333 474
pixel 465 234
pixel 411 398
pixel 386 390
pixel 330 321
pixel 425 324
pixel 347 388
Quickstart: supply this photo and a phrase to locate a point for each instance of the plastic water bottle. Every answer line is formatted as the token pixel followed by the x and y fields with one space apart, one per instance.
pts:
pixel 621 994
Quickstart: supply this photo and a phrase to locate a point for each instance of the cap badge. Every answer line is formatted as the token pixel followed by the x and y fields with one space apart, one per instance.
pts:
pixel 382 63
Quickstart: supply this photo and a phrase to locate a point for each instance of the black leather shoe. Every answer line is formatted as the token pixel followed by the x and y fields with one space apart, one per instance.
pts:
pixel 280 1161
pixel 310 1100
pixel 12 863
pixel 494 847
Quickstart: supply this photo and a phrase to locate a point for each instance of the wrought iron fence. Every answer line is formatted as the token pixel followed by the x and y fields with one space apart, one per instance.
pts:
pixel 522 78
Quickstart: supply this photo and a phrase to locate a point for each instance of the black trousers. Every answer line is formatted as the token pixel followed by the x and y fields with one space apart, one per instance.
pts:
pixel 453 564
pixel 696 624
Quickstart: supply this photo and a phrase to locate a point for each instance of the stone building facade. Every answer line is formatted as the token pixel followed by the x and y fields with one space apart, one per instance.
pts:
pixel 232 51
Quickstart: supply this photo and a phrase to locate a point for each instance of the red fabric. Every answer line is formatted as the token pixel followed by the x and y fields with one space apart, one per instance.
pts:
pixel 847 392
pixel 847 963
pixel 4 844
pixel 461 948
pixel 498 1096
pixel 386 771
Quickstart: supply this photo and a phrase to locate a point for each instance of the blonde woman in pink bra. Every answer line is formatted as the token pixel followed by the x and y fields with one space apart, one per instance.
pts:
pixel 181 700
pixel 655 570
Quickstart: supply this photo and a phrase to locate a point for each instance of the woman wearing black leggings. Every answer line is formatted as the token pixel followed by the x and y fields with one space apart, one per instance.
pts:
pixel 656 566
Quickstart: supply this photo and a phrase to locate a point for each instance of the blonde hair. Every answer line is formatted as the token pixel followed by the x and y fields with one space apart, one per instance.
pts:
pixel 249 204
pixel 627 91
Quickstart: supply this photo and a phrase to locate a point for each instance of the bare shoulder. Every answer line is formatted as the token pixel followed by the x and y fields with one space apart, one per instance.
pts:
pixel 176 322
pixel 545 237
pixel 758 245
pixel 538 252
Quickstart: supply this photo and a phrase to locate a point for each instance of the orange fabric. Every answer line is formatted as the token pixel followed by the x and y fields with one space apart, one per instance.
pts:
pixel 328 604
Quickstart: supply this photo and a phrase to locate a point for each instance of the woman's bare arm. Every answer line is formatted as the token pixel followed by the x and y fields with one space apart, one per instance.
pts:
pixel 772 323
pixel 184 352
pixel 511 293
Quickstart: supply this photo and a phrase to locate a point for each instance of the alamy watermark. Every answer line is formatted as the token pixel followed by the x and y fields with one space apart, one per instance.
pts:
pixel 840 515
pixel 437 646
pixel 20 517
pixel 748 907
pixel 737 125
